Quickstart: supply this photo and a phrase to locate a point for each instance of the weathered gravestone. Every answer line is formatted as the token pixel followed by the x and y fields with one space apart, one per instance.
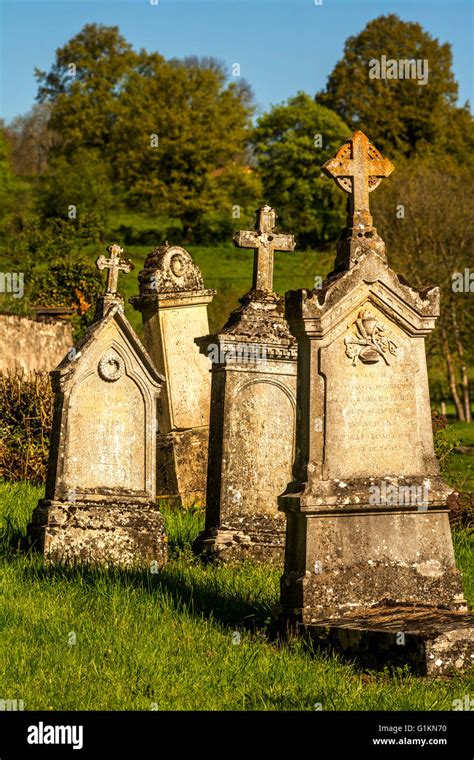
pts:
pixel 100 494
pixel 173 303
pixel 251 442
pixel 369 563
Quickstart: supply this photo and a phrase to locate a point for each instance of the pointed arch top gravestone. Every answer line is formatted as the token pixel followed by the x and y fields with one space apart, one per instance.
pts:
pixel 367 515
pixel 99 506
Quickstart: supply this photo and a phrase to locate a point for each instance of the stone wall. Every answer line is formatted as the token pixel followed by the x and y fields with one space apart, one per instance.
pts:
pixel 32 345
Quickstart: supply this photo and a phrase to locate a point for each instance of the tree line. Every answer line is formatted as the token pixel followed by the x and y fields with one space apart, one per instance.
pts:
pixel 115 128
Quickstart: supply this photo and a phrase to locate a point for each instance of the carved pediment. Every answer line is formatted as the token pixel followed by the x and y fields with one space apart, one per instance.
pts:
pixel 370 281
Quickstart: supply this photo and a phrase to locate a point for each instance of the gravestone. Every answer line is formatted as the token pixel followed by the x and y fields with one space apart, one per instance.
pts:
pixel 173 304
pixel 369 556
pixel 251 442
pixel 100 503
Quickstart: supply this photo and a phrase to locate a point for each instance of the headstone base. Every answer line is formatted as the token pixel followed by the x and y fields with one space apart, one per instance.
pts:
pixel 260 538
pixel 345 554
pixel 111 533
pixel 182 466
pixel 432 642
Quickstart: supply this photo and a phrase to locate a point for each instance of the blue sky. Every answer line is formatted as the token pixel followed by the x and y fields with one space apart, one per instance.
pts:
pixel 282 46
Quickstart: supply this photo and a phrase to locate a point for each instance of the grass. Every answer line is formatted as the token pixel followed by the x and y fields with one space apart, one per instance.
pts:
pixel 190 637
pixel 461 463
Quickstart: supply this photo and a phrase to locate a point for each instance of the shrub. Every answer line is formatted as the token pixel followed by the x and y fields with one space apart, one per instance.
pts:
pixel 26 411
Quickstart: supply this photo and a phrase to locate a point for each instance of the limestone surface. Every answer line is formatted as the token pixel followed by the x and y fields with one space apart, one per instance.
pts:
pixel 100 502
pixel 367 515
pixel 173 303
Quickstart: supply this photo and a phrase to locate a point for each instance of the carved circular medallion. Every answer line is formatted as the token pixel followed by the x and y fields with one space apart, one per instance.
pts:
pixel 178 265
pixel 111 367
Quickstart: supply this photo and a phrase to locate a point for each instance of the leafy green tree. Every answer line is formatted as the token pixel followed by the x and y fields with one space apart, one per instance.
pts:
pixel 397 114
pixel 41 241
pixel 84 85
pixel 234 193
pixel 14 192
pixel 78 185
pixel 291 143
pixel 163 126
pixel 178 122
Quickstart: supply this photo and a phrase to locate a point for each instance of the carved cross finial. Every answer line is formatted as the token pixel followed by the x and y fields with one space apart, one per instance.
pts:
pixel 265 241
pixel 358 168
pixel 114 265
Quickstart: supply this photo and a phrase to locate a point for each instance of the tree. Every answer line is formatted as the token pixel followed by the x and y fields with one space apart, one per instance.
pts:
pixel 74 186
pixel 234 193
pixel 399 115
pixel 291 143
pixel 178 123
pixel 425 218
pixel 163 126
pixel 84 85
pixel 14 192
pixel 31 140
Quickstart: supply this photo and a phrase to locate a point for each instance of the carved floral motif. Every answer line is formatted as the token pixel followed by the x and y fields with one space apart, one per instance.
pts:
pixel 371 342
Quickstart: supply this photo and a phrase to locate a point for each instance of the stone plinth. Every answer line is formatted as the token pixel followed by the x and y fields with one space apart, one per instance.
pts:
pixel 367 515
pixel 100 505
pixel 173 303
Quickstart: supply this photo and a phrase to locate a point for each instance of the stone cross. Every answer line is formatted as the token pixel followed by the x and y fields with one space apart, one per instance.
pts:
pixel 358 168
pixel 265 242
pixel 115 264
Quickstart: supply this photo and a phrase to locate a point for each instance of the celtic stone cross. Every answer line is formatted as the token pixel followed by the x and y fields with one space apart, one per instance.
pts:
pixel 358 168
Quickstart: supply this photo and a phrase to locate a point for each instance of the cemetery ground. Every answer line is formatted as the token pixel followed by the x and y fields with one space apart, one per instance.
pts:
pixel 188 637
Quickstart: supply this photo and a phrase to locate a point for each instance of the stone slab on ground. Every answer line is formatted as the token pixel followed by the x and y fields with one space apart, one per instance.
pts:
pixel 431 641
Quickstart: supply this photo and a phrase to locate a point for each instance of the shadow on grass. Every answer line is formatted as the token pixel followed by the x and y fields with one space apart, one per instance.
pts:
pixel 223 594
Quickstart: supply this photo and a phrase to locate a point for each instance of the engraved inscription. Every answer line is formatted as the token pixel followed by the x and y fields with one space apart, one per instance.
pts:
pixel 372 425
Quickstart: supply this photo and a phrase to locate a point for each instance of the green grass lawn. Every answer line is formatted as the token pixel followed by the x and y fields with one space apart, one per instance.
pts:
pixel 461 463
pixel 189 637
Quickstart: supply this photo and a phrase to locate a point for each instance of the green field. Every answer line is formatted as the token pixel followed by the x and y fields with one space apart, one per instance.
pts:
pixel 190 637
pixel 228 270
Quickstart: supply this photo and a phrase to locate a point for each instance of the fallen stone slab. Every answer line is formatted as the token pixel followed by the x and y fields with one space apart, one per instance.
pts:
pixel 431 641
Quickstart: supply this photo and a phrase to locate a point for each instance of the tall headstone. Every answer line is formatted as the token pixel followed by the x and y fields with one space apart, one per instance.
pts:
pixel 173 304
pixel 100 505
pixel 253 402
pixel 369 555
